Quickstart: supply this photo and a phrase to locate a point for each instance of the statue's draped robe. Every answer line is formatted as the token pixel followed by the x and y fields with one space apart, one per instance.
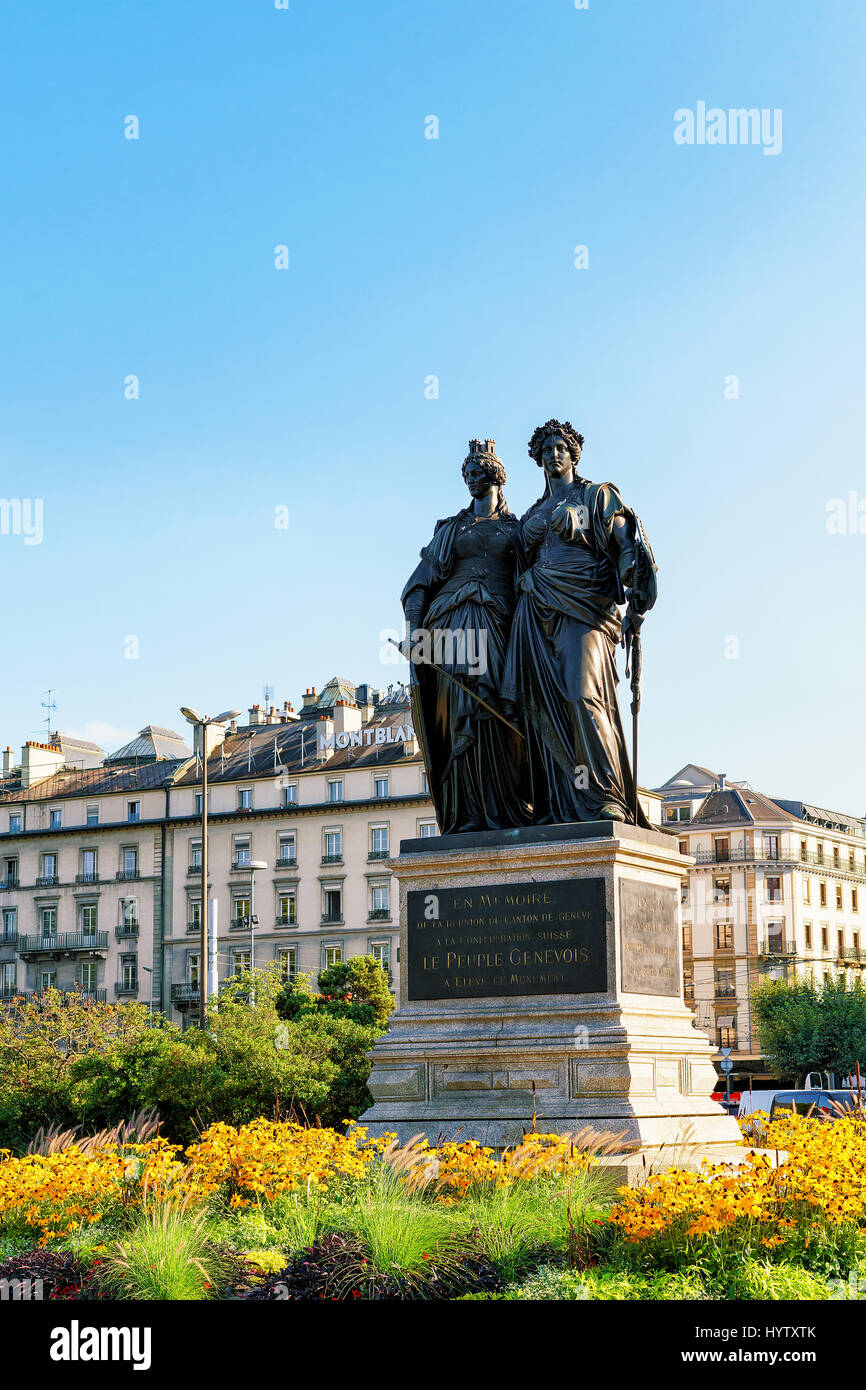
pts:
pixel 560 674
pixel 464 584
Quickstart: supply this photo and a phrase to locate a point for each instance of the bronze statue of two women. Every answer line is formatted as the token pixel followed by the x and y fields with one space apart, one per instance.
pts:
pixel 513 628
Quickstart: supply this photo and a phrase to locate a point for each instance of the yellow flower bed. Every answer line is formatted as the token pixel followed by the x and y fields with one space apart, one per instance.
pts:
pixel 460 1166
pixel 56 1193
pixel 823 1177
pixel 267 1158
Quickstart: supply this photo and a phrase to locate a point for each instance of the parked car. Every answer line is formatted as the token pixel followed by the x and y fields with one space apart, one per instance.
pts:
pixel 821 1104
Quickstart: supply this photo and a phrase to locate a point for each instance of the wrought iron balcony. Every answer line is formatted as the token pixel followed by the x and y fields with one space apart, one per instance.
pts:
pixel 776 946
pixel 332 858
pixel 96 996
pixel 47 880
pixel 184 994
pixel 63 943
pixel 238 863
pixel 125 987
pixel 286 861
pixel 127 873
pixel 10 992
pixel 10 881
pixel 332 919
pixel 87 878
pixel 9 938
pixel 286 922
pixel 725 992
pixel 379 854
pixel 379 914
pixel 194 927
pixel 194 869
pixel 126 929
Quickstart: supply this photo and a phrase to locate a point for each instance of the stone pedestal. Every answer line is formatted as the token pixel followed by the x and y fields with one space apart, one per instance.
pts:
pixel 547 955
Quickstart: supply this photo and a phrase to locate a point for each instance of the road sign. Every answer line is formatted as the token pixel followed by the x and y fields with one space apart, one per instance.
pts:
pixel 727 1065
pixel 726 1051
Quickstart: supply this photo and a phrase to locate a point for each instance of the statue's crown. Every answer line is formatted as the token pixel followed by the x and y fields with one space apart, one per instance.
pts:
pixel 483 448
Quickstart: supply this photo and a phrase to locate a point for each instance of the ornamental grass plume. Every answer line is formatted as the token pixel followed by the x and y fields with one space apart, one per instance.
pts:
pixel 169 1254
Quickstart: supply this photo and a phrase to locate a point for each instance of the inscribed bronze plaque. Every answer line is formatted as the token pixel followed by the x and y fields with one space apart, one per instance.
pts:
pixel 509 938
pixel 649 938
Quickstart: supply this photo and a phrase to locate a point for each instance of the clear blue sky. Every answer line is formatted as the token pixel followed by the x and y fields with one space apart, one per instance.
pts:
pixel 411 257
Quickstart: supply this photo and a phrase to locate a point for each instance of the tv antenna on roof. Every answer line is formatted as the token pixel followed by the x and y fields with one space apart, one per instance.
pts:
pixel 268 695
pixel 50 707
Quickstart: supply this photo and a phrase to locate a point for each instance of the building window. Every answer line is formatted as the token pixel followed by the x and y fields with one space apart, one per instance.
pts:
pixel 241 912
pixel 724 936
pixel 14 822
pixel 87 919
pixel 804 851
pixel 55 819
pixel 822 895
pixel 194 919
pixel 335 789
pixel 245 798
pixel 48 869
pixel 820 855
pixel 724 983
pixel 685 891
pixel 129 974
pixel 825 937
pixel 425 784
pixel 852 862
pixel 838 897
pixel 286 850
pixel 8 974
pixel 198 803
pixel 48 917
pixel 835 856
pixel 195 854
pixel 684 846
pixel 287 910
pixel 242 852
pixel 427 829
pixel 687 936
pixel 133 811
pixel 89 866
pixel 332 905
pixel 10 924
pixel 771 846
pixel 129 866
pixel 290 794
pixel 855 900
pixel 240 962
pixel 379 841
pixel 87 976
pixel 840 944
pixel 193 962
pixel 129 913
pixel 807 890
pixel 10 873
pixel 722 891
pixel 288 958
pixel 332 954
pixel 773 885
pixel 689 984
pixel 333 846
pixel 381 951
pixel 807 931
pixel 380 787
pixel 380 900
pixel 47 980
pixel 722 849
pixel 727 1036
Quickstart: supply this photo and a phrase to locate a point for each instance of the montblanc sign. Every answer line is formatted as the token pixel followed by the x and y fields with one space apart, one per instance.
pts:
pixel 361 738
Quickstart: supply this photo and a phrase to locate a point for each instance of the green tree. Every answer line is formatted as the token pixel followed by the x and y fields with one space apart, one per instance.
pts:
pixel 806 1027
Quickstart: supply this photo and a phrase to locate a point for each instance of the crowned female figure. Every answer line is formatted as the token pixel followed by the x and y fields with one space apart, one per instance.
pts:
pixel 458 606
pixel 585 554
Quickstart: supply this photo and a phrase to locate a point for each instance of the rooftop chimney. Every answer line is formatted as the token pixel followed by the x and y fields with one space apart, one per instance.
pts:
pixel 256 715
pixel 7 761
pixel 722 776
pixel 39 761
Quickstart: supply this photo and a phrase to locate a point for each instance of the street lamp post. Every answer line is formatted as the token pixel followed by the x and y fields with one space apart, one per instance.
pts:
pixel 202 723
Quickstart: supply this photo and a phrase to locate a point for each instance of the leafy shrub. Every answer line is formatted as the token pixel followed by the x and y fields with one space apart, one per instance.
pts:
pixel 168 1254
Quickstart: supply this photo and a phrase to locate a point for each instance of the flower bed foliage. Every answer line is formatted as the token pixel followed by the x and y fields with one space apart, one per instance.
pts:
pixel 275 1211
